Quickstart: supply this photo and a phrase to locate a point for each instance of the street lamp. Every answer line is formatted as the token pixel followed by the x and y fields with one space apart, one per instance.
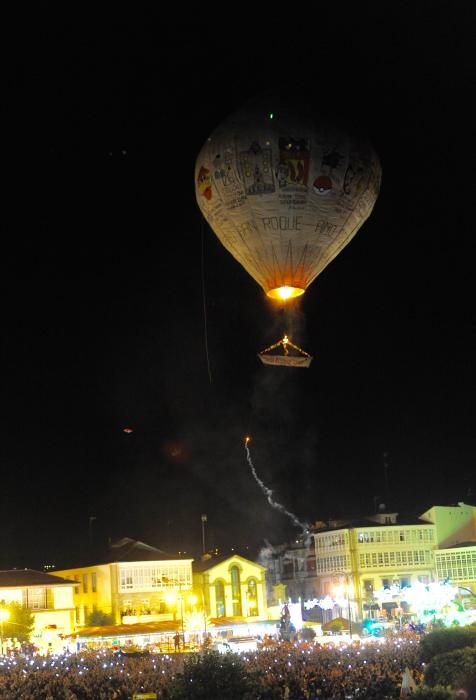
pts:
pixel 173 598
pixel 347 590
pixel 338 591
pixel 4 615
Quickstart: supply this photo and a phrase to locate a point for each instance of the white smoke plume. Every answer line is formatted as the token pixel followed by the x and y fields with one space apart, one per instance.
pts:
pixel 269 495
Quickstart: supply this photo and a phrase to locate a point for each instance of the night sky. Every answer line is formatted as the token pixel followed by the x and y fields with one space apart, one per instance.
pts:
pixel 107 266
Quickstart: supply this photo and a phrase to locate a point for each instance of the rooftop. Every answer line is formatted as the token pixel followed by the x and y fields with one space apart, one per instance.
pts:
pixel 127 549
pixel 26 578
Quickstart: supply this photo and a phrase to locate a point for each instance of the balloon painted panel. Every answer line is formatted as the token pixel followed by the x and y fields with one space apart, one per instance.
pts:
pixel 284 192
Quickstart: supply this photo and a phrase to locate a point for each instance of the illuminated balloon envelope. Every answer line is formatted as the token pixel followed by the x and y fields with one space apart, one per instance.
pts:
pixel 284 192
pixel 291 356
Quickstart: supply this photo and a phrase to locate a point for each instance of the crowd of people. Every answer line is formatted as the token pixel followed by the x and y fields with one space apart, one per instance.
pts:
pixel 289 671
pixel 370 672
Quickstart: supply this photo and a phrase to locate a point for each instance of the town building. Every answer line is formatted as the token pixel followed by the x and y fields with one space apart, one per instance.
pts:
pixel 290 570
pixel 232 591
pixel 457 564
pixel 361 565
pixel 136 583
pixel 49 598
pixel 146 591
pixel 231 586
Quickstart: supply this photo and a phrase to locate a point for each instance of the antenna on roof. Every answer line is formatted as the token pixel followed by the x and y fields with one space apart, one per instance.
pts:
pixel 385 474
pixel 204 520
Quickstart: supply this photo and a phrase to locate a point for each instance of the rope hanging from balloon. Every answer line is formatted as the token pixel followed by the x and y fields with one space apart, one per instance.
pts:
pixel 204 300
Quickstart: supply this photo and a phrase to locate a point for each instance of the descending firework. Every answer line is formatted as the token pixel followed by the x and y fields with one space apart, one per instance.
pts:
pixel 269 494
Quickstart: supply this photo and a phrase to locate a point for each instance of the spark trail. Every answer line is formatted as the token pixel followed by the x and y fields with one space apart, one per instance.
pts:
pixel 269 494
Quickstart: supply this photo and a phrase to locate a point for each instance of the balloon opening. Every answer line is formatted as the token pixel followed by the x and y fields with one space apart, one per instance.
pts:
pixel 285 293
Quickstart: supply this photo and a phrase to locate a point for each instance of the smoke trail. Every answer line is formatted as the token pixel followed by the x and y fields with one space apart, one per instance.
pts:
pixel 269 494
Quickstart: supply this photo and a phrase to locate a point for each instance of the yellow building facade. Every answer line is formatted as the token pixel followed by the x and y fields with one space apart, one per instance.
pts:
pixel 458 565
pixel 357 563
pixel 142 585
pixel 49 598
pixel 141 590
pixel 231 587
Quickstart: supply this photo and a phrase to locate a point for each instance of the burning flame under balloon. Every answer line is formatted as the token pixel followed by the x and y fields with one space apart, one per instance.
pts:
pixel 269 494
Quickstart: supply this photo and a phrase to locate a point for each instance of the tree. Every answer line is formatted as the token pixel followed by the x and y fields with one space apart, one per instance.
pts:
pixel 99 618
pixel 214 675
pixel 455 668
pixel 307 634
pixel 336 627
pixel 20 623
pixel 436 693
pixel 442 641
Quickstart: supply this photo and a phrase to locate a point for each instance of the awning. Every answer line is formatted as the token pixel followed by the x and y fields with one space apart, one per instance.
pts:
pixel 128 630
pixel 340 621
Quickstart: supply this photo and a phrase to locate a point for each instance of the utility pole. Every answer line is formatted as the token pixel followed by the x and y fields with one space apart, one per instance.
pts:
pixel 385 477
pixel 92 518
pixel 204 520
pixel 349 610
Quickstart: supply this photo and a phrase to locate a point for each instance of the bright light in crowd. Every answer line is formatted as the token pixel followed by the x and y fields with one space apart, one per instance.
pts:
pixel 285 293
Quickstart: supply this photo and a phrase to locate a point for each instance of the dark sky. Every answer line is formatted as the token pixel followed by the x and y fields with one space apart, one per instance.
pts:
pixel 101 273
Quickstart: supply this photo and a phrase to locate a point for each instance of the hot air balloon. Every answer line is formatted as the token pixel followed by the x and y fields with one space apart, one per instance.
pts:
pixel 284 191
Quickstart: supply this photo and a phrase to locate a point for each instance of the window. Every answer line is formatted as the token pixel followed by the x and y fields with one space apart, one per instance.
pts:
pixel 252 598
pixel 288 568
pixel 236 590
pixel 311 564
pixel 36 598
pixel 86 614
pixel 77 615
pixel 220 598
pixel 369 586
pixel 85 583
pixel 94 582
pixel 146 577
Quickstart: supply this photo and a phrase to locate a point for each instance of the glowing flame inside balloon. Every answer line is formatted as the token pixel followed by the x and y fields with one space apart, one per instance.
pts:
pixel 285 293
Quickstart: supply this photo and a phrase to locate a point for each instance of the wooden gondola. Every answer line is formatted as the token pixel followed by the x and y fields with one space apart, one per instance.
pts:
pixel 291 356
